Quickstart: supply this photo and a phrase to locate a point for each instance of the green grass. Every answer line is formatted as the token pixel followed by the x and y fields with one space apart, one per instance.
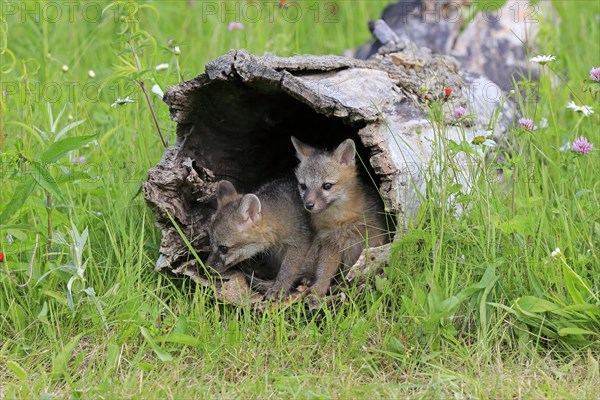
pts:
pixel 470 307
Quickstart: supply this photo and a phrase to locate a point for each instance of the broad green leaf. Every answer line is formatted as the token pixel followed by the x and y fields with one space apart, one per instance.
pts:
pixel 181 326
pixel 18 371
pixel 576 331
pixel 45 179
pixel 56 296
pixel 179 338
pixel 62 147
pixel 43 314
pixel 61 361
pixel 536 305
pixel 145 366
pixel 112 356
pixel 535 283
pixel 396 346
pixel 162 354
pixel 67 128
pixel 21 194
pixel 573 281
pixel 443 309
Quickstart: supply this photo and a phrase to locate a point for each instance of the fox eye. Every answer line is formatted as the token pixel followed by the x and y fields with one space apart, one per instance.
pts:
pixel 223 249
pixel 327 186
pixel 302 186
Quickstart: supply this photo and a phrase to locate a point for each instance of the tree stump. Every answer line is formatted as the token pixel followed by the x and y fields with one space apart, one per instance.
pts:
pixel 235 121
pixel 496 43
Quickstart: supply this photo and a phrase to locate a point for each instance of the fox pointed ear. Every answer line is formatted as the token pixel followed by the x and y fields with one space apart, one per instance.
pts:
pixel 345 152
pixel 302 150
pixel 250 209
pixel 226 193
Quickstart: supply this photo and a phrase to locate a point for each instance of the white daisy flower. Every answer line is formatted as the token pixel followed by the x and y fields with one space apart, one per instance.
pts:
pixel 586 110
pixel 542 60
pixel 120 102
pixel 480 139
pixel 160 67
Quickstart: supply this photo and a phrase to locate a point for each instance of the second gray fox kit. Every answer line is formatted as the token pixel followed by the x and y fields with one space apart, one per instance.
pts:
pixel 272 220
pixel 346 213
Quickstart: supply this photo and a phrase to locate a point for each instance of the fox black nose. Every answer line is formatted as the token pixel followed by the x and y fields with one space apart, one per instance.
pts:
pixel 309 205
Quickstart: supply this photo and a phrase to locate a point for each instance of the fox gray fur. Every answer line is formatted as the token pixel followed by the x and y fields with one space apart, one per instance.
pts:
pixel 271 220
pixel 346 213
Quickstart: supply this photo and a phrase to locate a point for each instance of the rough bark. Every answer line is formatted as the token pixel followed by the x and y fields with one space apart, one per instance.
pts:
pixel 497 43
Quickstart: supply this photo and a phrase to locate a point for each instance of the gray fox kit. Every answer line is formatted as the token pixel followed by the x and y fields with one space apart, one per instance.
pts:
pixel 272 220
pixel 346 213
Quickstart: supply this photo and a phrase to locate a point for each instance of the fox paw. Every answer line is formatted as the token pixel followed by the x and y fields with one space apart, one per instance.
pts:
pixel 313 301
pixel 276 293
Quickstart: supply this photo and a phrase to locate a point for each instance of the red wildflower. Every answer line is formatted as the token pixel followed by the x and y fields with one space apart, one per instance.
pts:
pixel 447 92
pixel 283 3
pixel 1 257
pixel 427 97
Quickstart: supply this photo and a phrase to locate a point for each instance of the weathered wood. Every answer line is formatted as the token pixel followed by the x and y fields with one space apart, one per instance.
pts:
pixel 497 43
pixel 236 119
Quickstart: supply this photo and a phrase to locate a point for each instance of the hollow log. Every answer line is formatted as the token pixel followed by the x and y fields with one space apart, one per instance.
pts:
pixel 235 120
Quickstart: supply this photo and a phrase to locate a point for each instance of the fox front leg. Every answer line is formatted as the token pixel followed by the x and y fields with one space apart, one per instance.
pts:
pixel 326 267
pixel 290 272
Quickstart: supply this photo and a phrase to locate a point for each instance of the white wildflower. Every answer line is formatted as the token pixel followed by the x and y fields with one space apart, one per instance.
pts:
pixel 556 253
pixel 586 110
pixel 176 50
pixel 91 73
pixel 480 139
pixel 120 102
pixel 160 67
pixel 542 60
pixel 157 91
pixel 565 147
pixel 65 68
pixel 543 123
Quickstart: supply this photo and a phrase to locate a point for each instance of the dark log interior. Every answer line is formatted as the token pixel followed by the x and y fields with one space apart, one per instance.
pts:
pixel 242 132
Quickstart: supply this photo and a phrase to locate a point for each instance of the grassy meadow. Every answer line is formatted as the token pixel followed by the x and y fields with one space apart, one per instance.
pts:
pixel 481 306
